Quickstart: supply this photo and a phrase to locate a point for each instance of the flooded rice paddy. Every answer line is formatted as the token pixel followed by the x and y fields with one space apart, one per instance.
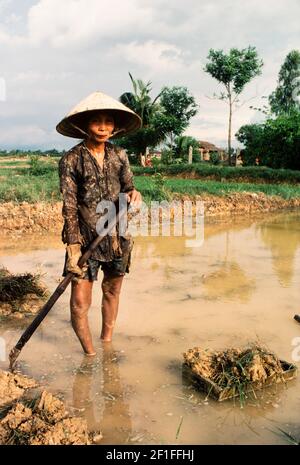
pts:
pixel 241 285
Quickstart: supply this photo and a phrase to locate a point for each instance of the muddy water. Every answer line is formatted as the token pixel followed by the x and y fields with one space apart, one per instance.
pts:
pixel 241 285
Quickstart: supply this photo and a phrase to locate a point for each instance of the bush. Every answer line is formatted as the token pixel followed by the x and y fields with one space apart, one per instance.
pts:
pixel 155 162
pixel 178 161
pixel 215 158
pixel 160 189
pixel 196 157
pixel 166 156
pixel 38 167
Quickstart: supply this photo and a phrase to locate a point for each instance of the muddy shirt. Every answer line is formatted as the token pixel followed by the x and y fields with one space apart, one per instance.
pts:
pixel 83 184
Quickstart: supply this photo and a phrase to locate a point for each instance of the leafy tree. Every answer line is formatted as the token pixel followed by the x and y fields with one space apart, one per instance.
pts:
pixel 252 136
pixel 282 141
pixel 166 116
pixel 177 107
pixel 234 70
pixel 138 142
pixel 276 142
pixel 285 98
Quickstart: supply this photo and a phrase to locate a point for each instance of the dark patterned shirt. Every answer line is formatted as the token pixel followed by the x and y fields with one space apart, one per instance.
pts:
pixel 83 185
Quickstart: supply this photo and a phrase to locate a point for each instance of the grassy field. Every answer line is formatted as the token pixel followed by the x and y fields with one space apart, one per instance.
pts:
pixel 204 170
pixel 39 182
pixel 18 187
pixel 10 163
pixel 196 187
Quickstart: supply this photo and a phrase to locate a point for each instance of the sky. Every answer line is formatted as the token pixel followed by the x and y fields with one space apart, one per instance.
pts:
pixel 53 53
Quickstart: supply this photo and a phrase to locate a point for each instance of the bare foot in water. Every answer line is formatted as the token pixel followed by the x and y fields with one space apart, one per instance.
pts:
pixel 107 331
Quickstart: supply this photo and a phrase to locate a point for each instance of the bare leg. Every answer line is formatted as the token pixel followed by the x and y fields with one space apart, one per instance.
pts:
pixel 81 297
pixel 111 288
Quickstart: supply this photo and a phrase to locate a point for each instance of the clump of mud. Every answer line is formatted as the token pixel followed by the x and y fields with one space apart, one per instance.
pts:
pixel 13 386
pixel 35 420
pixel 234 367
pixel 20 294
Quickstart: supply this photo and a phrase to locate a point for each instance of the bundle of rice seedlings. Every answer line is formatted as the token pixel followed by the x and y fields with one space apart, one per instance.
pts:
pixel 234 368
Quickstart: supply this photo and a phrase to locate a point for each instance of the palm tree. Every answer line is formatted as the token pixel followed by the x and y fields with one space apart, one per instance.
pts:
pixel 140 100
pixel 141 103
pixel 182 144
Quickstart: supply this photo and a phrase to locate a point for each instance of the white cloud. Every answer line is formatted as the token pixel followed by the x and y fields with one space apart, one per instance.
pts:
pixel 156 56
pixel 32 76
pixel 12 19
pixel 68 22
pixel 55 52
pixel 75 22
pixel 4 4
pixel 22 135
pixel 32 135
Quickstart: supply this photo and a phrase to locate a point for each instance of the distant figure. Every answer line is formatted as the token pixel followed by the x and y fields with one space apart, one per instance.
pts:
pixel 143 160
pixel 148 161
pixel 239 160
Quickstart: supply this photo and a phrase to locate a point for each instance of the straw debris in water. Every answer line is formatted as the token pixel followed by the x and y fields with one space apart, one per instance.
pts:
pixel 20 294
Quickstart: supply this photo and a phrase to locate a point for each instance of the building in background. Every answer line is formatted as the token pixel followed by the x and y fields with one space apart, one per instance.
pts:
pixel 207 148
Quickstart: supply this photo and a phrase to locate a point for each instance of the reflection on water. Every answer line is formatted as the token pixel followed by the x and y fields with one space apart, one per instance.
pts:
pixel 241 285
pixel 98 391
pixel 229 281
pixel 282 238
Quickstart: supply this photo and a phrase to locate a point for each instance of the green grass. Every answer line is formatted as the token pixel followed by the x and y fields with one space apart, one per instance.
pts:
pixel 260 174
pixel 9 172
pixel 4 162
pixel 29 188
pixel 196 187
pixel 40 182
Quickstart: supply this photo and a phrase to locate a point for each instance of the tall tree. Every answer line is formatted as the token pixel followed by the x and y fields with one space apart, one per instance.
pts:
pixel 234 70
pixel 285 98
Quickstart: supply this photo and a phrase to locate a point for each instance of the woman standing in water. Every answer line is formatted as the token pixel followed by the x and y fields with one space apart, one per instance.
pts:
pixel 89 172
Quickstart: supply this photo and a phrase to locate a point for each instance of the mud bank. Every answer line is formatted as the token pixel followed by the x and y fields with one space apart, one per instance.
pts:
pixel 24 217
pixel 16 218
pixel 29 417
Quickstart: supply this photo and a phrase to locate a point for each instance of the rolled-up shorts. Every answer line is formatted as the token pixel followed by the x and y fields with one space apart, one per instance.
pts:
pixel 117 267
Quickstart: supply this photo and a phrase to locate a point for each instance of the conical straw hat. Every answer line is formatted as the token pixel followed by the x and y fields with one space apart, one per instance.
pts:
pixel 73 125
